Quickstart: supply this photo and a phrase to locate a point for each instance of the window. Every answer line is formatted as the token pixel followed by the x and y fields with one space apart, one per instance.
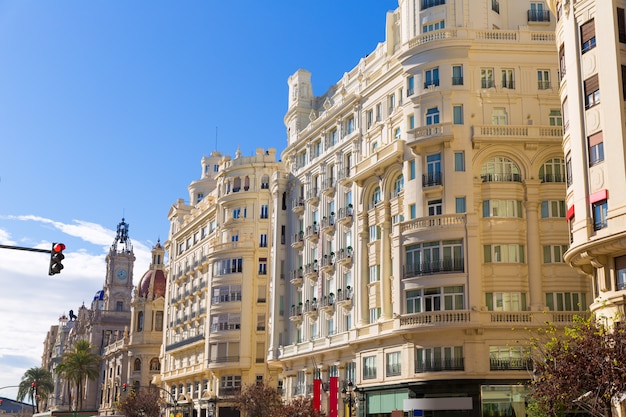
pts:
pixel 457 75
pixel 431 77
pixel 457 114
pixel 411 122
pixel 569 173
pixel 504 253
pixel 555 117
pixel 379 112
pixel 263 240
pixel 600 213
pixel 397 133
pixel 506 301
pixel 392 103
pixel 588 36
pixel 553 254
pixel 230 381
pixel 433 257
pixel 502 208
pixel 435 208
pixel 566 301
pixel 486 78
pixel 431 3
pixel 227 266
pixel 369 118
pixel 137 365
pixel 369 367
pixel 432 116
pixel 140 321
pixel 264 211
pixel 316 149
pixel 459 161
pixel 332 138
pixel 499 116
pixel 376 196
pixel 374 275
pixel 350 125
pixel 621 25
pixel 509 358
pixel 500 169
pixel 460 205
pixel 596 148
pixel 508 79
pixel 394 364
pixel 410 86
pixel 435 299
pixel 260 322
pixel 620 274
pixel 158 321
pixel 543 79
pixel 119 306
pixel 553 209
pixel 412 169
pixel 374 233
pixel 432 26
pixel 398 184
pixel 552 170
pixel 433 171
pixel 624 82
pixel 592 91
pixel 225 322
pixel 562 66
pixel 412 211
pixel 537 13
pixel 439 359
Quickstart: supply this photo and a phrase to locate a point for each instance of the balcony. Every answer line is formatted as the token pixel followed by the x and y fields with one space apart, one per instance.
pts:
pixel 297 206
pixel 297 240
pixel 344 256
pixel 538 16
pixel 296 278
pixel 328 187
pixel 427 136
pixel 328 263
pixel 379 160
pixel 328 224
pixel 444 266
pixel 511 364
pixel 552 178
pixel 312 232
pixel 505 177
pixel 432 179
pixel 431 222
pixel 327 304
pixel 344 298
pixel 310 309
pixel 311 271
pixel 345 215
pixel 439 365
pixel 313 196
pixel 516 134
pixel 343 176
pixel 295 313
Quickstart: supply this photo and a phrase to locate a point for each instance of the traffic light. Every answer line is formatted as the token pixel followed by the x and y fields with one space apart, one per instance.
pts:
pixel 124 387
pixel 1 402
pixel 56 256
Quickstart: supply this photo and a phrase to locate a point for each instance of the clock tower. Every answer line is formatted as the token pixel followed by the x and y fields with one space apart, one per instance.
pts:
pixel 118 286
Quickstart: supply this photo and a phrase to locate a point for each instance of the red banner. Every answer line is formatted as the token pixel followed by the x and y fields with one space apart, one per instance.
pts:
pixel 333 402
pixel 317 394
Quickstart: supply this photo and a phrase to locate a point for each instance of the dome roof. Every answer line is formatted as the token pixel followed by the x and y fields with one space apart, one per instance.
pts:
pixel 155 279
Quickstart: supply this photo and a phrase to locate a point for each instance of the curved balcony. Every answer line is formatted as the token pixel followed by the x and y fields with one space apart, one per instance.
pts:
pixel 426 136
pixel 345 215
pixel 311 271
pixel 344 298
pixel 328 224
pixel 297 240
pixel 309 309
pixel 328 263
pixel 312 233
pixel 296 278
pixel 328 187
pixel 312 196
pixel 344 256
pixel 297 206
pixel 327 304
pixel 295 313
pixel 343 177
pixel 376 163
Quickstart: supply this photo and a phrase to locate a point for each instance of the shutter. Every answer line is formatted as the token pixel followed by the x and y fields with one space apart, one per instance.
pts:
pixel 588 30
pixel 591 84
pixel 595 139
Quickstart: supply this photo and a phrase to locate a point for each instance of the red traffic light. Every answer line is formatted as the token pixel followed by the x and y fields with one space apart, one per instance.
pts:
pixel 58 247
pixel 56 256
pixel 124 386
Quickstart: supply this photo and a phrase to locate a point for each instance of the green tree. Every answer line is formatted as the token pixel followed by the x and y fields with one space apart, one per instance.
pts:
pixel 583 367
pixel 79 365
pixel 146 402
pixel 36 384
pixel 259 400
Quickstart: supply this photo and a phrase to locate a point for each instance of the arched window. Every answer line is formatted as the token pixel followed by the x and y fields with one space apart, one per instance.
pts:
pixel 500 169
pixel 236 185
pixel 246 183
pixel 552 170
pixel 155 365
pixel 265 182
pixel 375 197
pixel 140 321
pixel 137 365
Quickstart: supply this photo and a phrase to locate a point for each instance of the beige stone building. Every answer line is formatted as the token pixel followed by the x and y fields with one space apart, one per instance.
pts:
pixel 589 33
pixel 427 227
pixel 215 340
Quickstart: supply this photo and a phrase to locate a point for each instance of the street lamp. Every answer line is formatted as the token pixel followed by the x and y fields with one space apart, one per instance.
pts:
pixel 350 391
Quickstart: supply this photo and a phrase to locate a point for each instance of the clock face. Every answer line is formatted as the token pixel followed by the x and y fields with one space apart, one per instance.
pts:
pixel 121 274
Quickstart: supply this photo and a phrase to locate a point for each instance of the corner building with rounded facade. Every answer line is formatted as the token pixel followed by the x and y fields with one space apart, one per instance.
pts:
pixel 427 216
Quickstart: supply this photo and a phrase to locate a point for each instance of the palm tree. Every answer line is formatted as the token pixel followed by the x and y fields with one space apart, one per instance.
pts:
pixel 78 364
pixel 36 384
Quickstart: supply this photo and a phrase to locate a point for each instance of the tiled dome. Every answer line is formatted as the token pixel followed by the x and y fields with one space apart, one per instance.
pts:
pixel 154 278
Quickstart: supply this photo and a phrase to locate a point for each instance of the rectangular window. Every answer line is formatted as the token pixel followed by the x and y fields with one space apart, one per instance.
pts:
pixel 553 209
pixel 553 254
pixel 394 364
pixel 350 125
pixel 374 233
pixel 379 112
pixel 412 211
pixel 411 122
pixel 392 103
pixel 369 118
pixel 562 66
pixel 432 116
pixel 502 208
pixel 460 205
pixel 620 273
pixel 543 79
pixel 600 214
pixel 431 77
pixel 432 26
pixel 263 240
pixel 264 211
pixel 410 86
pixel 592 91
pixel 537 13
pixel 435 207
pixel 504 253
pixel 457 75
pixel 596 148
pixel 435 299
pixel 369 367
pixel 566 301
pixel 499 116
pixel 448 358
pixel 459 161
pixel 457 113
pixel 555 117
pixel 412 169
pixel 374 275
pixel 621 25
pixel 433 258
pixel 508 79
pixel 486 78
pixel 588 36
pixel 505 301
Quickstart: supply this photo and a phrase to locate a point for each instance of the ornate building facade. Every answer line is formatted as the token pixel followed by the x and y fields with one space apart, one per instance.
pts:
pixel 218 282
pixel 427 227
pixel 589 33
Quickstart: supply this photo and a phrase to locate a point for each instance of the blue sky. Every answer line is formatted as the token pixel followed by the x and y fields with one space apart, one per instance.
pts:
pixel 107 107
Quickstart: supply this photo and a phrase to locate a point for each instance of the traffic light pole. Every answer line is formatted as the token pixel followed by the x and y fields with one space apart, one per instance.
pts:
pixel 26 249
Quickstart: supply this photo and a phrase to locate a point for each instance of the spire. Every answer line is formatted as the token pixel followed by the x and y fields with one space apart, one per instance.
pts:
pixel 121 238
